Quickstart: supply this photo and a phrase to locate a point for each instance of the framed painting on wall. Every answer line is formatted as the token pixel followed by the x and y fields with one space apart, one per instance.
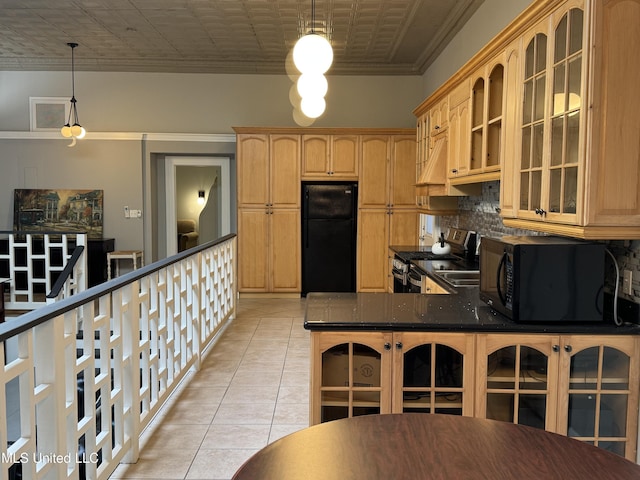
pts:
pixel 48 113
pixel 58 210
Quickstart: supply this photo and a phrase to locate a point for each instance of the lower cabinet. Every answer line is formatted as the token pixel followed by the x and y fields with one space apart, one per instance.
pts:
pixel 585 387
pixel 350 375
pixel 377 230
pixel 432 373
pixel 390 372
pixel 581 386
pixel 270 249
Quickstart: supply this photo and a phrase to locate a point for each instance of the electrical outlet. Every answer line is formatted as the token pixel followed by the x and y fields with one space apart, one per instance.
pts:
pixel 627 282
pixel 126 212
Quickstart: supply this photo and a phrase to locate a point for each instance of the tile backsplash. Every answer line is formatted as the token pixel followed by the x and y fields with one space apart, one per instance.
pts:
pixel 480 214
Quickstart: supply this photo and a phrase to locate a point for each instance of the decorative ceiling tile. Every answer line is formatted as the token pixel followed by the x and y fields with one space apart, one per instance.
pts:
pixel 390 37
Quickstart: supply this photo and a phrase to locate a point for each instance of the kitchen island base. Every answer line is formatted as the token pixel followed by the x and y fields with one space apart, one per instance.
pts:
pixel 400 353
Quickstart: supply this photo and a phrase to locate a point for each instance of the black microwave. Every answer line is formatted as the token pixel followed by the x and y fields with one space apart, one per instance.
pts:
pixel 543 279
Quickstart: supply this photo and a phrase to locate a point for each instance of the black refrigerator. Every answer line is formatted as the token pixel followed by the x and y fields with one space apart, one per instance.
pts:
pixel 329 237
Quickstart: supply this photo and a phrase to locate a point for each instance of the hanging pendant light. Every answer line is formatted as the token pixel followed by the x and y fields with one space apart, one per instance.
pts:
pixel 312 56
pixel 74 130
pixel 312 53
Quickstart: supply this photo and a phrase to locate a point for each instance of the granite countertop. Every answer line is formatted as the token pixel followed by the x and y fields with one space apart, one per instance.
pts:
pixel 410 248
pixel 458 312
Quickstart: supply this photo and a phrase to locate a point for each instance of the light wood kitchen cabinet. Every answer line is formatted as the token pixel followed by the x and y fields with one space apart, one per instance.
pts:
pixel 433 373
pixel 272 163
pixel 253 155
pixel 374 186
pixel 582 386
pixel 433 288
pixel 387 171
pixel 269 245
pixel 377 230
pixel 373 243
pixel 387 214
pixel 459 131
pixel 432 138
pixel 330 157
pixel 438 120
pixel 284 173
pixel 481 154
pixel 350 375
pixel 512 112
pixel 577 169
pixel 269 227
pixel 361 373
pixel 440 134
pixel 402 172
pixel 268 170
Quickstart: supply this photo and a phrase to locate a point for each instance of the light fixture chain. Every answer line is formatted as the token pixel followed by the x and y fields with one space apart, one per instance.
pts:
pixel 313 16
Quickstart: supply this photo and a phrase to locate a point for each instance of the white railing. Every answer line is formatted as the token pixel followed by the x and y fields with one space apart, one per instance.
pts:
pixel 32 262
pixel 84 376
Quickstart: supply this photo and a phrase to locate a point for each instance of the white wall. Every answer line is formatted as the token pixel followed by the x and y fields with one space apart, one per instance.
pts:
pixel 113 166
pixel 489 20
pixel 205 103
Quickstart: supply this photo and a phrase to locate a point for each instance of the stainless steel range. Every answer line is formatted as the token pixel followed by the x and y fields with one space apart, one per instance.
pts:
pixel 407 276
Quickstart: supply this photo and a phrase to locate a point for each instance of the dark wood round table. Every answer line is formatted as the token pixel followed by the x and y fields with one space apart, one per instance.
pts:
pixel 423 446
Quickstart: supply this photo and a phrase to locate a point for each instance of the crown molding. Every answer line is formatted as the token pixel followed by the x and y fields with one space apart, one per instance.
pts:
pixel 130 136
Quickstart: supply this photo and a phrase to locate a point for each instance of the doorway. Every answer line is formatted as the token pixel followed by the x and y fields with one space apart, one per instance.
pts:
pixel 198 190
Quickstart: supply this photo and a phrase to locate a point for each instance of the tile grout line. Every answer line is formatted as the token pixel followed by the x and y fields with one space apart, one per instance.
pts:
pixel 221 400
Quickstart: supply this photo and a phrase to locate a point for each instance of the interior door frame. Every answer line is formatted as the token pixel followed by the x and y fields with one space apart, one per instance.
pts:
pixel 171 163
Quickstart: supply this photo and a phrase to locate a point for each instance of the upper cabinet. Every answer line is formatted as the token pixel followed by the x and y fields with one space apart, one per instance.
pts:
pixel 375 177
pixel 459 131
pixel 433 143
pixel 253 190
pixel 550 112
pixel 269 173
pixel 576 169
pixel 387 171
pixel 476 136
pixel 432 138
pixel 487 96
pixel 330 157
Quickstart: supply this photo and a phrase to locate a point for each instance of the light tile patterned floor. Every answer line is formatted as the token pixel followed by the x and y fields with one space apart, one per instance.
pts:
pixel 252 389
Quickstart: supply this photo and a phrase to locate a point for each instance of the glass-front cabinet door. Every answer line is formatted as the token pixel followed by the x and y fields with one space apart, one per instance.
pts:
pixel 534 93
pixel 517 379
pixel 351 375
pixel 433 373
pixel 566 113
pixel 600 406
pixel 486 118
pixel 552 119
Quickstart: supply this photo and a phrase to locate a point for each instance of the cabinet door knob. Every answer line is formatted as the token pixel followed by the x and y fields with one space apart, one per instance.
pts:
pixel 556 348
pixel 454 170
pixel 568 348
pixel 398 345
pixel 387 346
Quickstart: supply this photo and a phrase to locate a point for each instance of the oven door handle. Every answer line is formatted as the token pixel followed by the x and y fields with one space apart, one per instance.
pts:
pixel 415 281
pixel 399 276
pixel 501 265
